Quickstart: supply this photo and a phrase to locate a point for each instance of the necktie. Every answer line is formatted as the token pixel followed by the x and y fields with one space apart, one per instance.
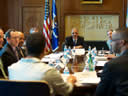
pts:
pixel 75 41
pixel 16 53
pixel 21 52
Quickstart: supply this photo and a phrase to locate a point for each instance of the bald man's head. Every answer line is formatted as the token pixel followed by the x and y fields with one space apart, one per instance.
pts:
pixel 74 33
pixel 120 34
pixel 120 40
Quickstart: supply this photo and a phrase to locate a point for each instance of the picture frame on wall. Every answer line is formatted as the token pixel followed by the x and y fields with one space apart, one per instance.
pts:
pixel 91 1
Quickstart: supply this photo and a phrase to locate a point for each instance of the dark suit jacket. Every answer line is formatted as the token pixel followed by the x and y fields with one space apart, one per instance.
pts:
pixel 69 41
pixel 22 52
pixel 114 78
pixel 8 57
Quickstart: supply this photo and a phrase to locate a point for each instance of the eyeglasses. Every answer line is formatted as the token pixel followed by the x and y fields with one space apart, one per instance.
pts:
pixel 15 37
pixel 74 33
pixel 113 40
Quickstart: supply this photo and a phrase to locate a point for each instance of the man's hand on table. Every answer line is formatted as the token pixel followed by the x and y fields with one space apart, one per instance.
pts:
pixel 110 56
pixel 78 47
pixel 71 79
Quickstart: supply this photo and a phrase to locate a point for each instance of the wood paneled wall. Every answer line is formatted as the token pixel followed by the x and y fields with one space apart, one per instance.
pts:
pixel 3 14
pixel 24 14
pixel 73 7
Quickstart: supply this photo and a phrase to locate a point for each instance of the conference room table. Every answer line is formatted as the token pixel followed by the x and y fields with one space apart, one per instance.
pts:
pixel 87 81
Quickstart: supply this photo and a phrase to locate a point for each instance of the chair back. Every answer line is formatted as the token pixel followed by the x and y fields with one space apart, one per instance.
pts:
pixel 24 88
pixel 2 69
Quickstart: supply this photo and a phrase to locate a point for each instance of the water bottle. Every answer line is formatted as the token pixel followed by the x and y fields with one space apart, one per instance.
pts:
pixel 65 48
pixel 66 71
pixel 89 48
pixel 73 52
pixel 94 51
pixel 65 51
pixel 69 50
pixel 90 63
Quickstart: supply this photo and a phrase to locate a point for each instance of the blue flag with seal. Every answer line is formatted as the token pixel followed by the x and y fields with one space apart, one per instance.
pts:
pixel 127 18
pixel 55 39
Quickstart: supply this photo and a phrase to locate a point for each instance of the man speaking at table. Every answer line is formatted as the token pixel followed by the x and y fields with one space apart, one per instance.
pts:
pixel 114 78
pixel 75 40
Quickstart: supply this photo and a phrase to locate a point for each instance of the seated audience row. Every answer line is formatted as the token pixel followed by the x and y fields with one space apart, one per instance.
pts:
pixel 11 53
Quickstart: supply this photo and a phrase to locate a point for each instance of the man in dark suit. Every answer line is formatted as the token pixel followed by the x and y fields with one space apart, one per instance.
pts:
pixel 21 48
pixel 114 78
pixel 75 40
pixel 9 52
pixel 1 38
pixel 1 46
pixel 109 41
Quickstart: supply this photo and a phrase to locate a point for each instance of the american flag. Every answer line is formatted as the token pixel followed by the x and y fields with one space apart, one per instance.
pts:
pixel 46 27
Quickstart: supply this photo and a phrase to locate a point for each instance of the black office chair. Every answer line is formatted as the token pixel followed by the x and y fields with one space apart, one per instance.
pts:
pixel 24 88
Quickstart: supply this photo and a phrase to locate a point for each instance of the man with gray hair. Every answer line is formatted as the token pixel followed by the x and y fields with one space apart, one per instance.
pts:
pixel 75 40
pixel 114 78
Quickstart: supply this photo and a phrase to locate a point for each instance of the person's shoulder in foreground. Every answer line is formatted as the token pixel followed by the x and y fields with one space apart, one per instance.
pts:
pixel 114 78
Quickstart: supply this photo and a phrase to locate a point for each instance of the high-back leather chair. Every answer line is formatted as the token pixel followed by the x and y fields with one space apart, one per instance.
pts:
pixel 24 88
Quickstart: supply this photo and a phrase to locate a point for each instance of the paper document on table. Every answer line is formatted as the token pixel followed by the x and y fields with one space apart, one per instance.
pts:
pixel 59 66
pixel 78 51
pixel 48 60
pixel 100 63
pixel 88 77
pixel 98 58
pixel 85 74
pixel 54 55
pixel 90 80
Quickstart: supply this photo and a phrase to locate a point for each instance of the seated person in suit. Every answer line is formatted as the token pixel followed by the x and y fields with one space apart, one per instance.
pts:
pixel 114 78
pixel 21 48
pixel 75 41
pixel 31 67
pixel 1 46
pixel 109 41
pixel 9 52
pixel 33 29
pixel 1 38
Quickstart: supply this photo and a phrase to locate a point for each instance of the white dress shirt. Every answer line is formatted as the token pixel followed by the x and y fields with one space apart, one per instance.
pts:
pixel 33 69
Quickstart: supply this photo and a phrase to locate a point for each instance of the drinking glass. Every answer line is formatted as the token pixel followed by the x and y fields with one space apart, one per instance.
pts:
pixel 78 68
